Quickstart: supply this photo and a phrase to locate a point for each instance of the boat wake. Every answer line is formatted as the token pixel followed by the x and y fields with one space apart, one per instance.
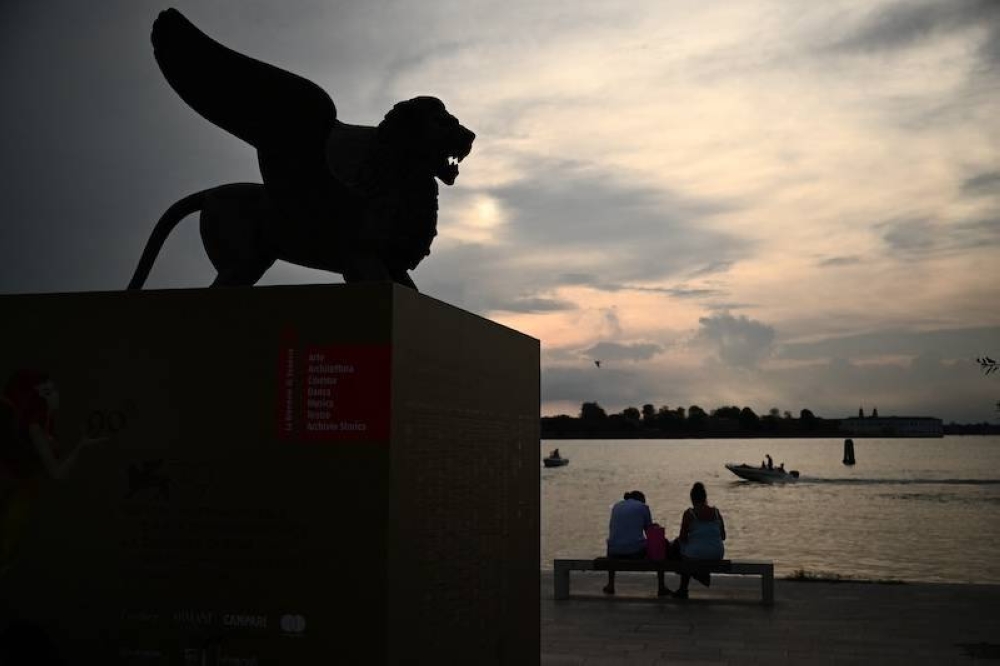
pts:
pixel 899 482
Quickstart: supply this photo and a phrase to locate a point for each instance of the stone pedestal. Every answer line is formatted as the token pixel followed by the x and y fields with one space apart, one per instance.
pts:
pixel 285 475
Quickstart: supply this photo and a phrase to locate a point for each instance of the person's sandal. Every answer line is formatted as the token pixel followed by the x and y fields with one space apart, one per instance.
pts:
pixel 680 594
pixel 608 589
pixel 663 592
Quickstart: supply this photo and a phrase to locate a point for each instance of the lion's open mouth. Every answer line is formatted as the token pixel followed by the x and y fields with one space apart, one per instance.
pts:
pixel 447 169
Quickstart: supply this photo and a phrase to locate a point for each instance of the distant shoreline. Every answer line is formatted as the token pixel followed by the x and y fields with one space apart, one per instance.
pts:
pixel 966 431
pixel 659 435
pixel 730 422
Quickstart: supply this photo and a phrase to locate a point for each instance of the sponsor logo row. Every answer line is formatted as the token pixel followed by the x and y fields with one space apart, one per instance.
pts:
pixel 287 623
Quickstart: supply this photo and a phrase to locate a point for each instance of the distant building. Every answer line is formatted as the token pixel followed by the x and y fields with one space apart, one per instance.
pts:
pixel 891 426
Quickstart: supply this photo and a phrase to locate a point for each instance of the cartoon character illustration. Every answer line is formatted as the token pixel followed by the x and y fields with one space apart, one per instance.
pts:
pixel 29 452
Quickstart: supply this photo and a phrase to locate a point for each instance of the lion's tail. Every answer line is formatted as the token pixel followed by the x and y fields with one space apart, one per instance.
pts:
pixel 170 219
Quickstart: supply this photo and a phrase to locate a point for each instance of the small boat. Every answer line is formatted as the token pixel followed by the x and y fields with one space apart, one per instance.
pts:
pixel 555 462
pixel 762 474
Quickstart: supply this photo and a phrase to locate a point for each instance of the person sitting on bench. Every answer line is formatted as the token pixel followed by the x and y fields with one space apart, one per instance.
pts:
pixel 701 537
pixel 627 534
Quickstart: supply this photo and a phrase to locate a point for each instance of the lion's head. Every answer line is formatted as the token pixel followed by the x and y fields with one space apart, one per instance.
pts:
pixel 422 130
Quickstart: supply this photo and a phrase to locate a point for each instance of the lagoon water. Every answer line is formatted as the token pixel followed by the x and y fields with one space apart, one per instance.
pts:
pixel 910 509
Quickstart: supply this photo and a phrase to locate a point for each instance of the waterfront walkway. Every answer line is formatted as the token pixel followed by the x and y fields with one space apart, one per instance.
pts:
pixel 810 623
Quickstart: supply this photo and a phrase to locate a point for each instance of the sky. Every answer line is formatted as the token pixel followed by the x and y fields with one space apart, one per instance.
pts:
pixel 758 203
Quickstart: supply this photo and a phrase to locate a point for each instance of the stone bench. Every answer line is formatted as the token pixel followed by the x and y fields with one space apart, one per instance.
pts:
pixel 762 568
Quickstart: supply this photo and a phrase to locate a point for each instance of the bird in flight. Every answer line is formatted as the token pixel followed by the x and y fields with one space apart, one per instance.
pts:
pixel 597 363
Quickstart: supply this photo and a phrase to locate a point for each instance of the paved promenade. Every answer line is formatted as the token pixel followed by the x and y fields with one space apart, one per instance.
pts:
pixel 810 623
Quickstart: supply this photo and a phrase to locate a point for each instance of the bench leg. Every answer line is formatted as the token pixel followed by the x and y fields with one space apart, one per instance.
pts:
pixel 560 581
pixel 767 587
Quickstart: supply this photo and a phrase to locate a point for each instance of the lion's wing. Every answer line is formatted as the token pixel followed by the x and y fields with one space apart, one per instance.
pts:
pixel 265 106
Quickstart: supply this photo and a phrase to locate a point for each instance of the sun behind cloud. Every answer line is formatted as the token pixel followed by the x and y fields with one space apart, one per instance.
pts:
pixel 477 221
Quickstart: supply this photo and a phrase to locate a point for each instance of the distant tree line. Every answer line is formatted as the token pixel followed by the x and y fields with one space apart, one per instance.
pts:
pixel 982 428
pixel 693 421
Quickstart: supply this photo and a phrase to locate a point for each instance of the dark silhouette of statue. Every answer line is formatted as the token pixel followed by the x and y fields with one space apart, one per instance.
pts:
pixel 356 200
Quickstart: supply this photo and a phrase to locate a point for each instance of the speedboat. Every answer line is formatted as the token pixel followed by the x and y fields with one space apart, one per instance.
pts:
pixel 762 474
pixel 555 462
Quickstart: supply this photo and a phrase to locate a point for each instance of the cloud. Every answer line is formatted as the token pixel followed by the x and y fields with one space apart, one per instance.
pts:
pixel 676 292
pixel 612 322
pixel 576 279
pixel 929 28
pixel 976 233
pixel 983 184
pixel 847 260
pixel 524 305
pixel 628 230
pixel 908 23
pixel 918 235
pixel 711 268
pixel 726 307
pixel 950 343
pixel 569 224
pixel 613 351
pixel 738 341
pixel 583 279
pixel 921 235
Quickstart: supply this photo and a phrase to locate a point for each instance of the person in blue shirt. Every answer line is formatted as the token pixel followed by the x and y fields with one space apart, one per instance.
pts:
pixel 702 535
pixel 627 534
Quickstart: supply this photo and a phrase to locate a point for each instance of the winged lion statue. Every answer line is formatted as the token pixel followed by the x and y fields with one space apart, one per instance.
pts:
pixel 352 199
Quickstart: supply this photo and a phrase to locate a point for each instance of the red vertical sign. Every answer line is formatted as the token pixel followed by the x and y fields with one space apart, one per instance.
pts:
pixel 334 392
